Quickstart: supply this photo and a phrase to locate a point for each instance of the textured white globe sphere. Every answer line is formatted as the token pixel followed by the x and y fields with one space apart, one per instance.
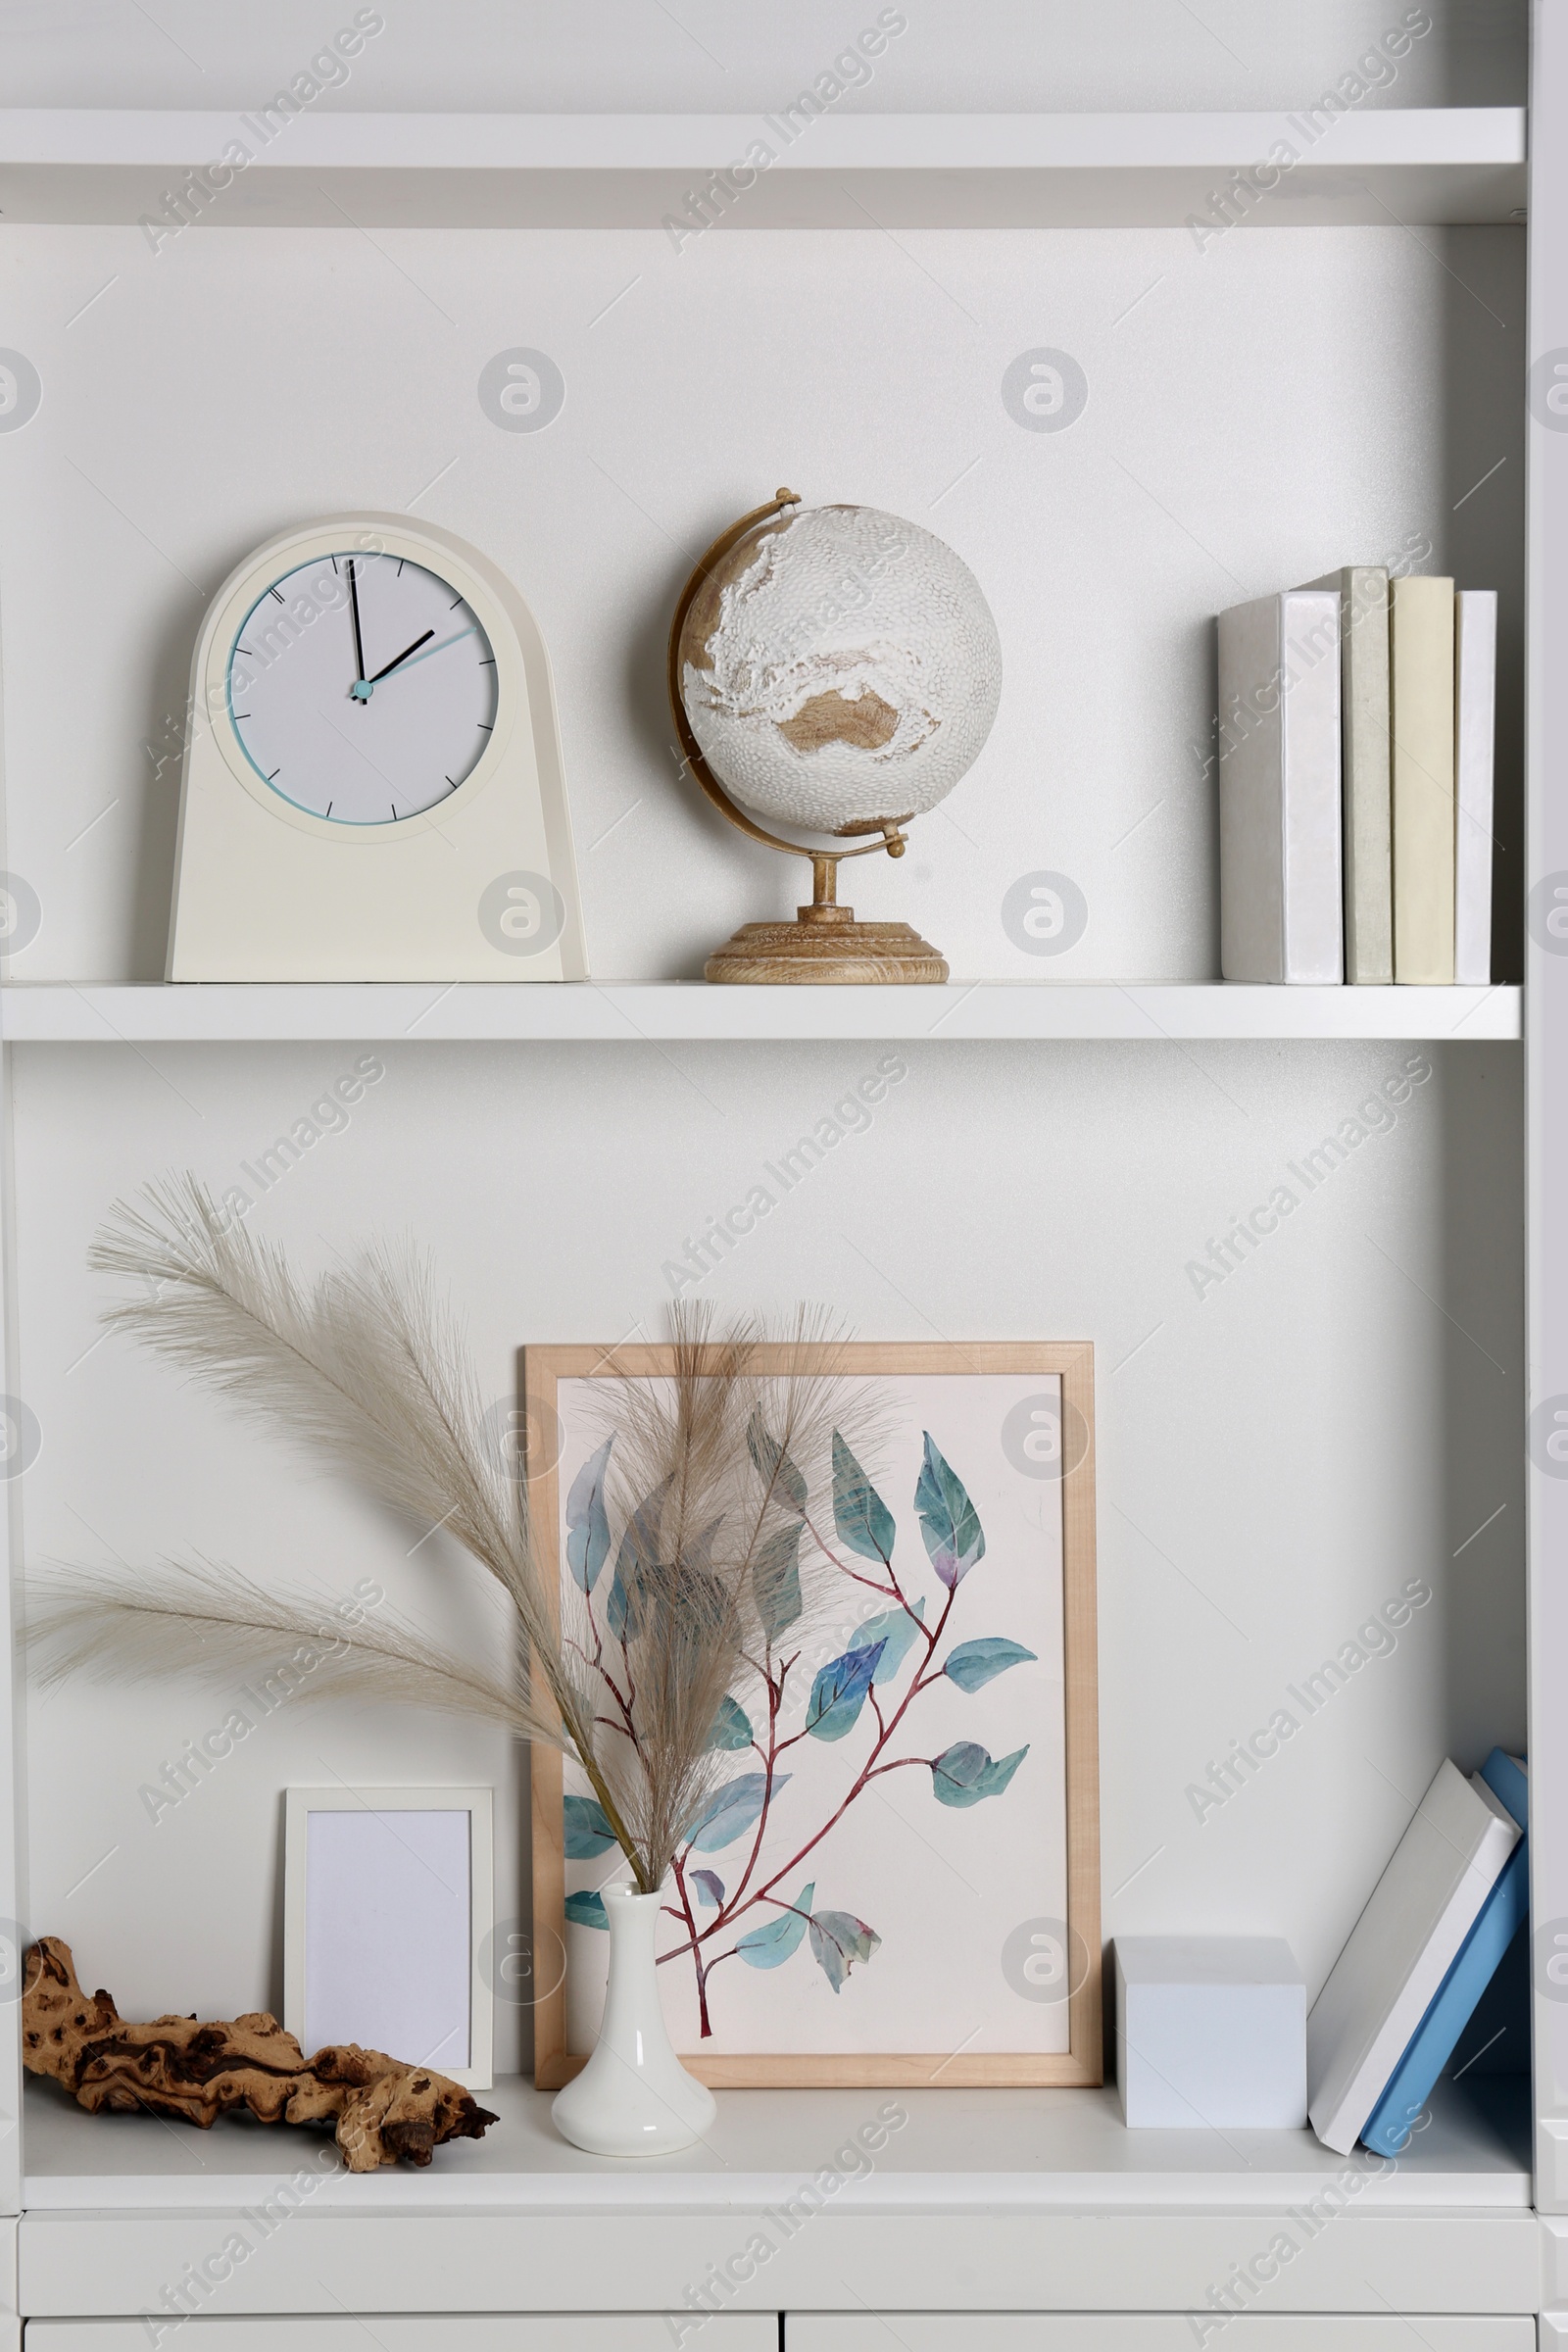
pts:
pixel 840 666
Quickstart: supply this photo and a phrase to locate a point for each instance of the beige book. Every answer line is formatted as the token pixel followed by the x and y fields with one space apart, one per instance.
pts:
pixel 1364 593
pixel 1421 714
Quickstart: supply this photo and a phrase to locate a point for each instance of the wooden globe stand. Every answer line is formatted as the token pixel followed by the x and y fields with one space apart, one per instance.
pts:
pixel 824 944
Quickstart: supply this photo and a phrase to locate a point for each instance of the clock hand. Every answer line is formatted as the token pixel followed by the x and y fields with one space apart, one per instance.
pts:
pixel 412 660
pixel 358 646
pixel 401 659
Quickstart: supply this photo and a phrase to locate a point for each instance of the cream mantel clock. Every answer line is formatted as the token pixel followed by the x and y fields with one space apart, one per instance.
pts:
pixel 372 784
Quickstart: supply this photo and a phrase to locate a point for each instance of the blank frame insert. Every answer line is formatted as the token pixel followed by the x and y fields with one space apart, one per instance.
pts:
pixel 387 1901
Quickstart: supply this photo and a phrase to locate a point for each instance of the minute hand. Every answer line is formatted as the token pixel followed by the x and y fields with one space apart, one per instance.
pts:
pixel 402 657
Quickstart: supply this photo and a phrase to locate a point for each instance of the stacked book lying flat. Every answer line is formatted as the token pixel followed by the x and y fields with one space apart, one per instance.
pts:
pixel 1435 1931
pixel 1356 758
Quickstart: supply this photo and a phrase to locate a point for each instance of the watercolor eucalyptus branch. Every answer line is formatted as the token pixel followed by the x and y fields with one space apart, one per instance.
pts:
pixel 866 1674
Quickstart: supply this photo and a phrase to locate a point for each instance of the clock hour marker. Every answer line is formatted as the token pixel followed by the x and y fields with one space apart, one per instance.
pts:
pixel 328 805
pixel 400 561
pixel 272 778
pixel 487 661
pixel 456 601
pixel 242 715
pixel 273 592
pixel 484 730
pixel 334 563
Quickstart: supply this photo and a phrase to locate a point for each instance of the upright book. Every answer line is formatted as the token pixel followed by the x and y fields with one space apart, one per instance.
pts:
pixel 1364 593
pixel 1475 695
pixel 1281 902
pixel 1400 1950
pixel 1421 717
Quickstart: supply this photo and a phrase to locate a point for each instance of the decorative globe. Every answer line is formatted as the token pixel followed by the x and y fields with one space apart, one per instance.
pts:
pixel 838 667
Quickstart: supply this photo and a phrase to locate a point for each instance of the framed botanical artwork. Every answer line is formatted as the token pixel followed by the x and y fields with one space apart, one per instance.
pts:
pixel 895 1876
pixel 387 1901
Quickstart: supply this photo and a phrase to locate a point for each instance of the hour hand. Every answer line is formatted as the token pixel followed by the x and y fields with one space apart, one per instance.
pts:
pixel 387 670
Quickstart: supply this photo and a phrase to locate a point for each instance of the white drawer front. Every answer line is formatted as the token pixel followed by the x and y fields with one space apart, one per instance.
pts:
pixel 1143 2331
pixel 433 2331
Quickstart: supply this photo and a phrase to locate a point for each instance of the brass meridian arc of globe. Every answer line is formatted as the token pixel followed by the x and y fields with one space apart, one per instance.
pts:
pixel 824 862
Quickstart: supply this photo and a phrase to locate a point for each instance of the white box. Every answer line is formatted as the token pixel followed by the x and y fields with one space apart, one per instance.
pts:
pixel 1210 2032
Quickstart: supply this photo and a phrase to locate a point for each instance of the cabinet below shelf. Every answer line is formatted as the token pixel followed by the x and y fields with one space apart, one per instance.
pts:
pixel 66 1013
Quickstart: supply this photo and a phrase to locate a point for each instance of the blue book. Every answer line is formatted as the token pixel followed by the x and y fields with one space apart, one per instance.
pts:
pixel 1500 1917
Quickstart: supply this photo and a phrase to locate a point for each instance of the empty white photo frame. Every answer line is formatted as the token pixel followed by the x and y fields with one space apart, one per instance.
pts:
pixel 388 1899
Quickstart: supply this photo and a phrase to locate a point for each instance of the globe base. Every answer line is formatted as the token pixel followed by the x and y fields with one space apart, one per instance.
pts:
pixel 826 947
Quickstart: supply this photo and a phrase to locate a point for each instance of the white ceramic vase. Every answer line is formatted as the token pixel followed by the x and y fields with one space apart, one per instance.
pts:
pixel 633 2098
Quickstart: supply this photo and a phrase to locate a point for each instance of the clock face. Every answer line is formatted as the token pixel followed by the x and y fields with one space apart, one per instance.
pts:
pixel 363 688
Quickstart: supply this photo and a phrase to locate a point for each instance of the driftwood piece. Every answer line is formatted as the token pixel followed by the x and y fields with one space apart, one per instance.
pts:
pixel 383 2108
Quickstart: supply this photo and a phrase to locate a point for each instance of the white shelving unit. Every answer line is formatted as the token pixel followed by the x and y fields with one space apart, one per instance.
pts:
pixel 669 1012
pixel 1345 1412
pixel 1428 165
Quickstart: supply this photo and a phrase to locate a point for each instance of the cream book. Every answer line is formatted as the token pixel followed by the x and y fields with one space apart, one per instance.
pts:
pixel 1281 910
pixel 1400 1950
pixel 1421 714
pixel 1364 593
pixel 1475 701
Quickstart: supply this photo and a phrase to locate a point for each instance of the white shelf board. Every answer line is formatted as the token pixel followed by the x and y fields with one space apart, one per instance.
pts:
pixel 1383 166
pixel 670 1011
pixel 989 2151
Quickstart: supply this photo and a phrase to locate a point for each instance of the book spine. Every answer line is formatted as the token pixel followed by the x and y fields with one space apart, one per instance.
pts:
pixel 1251 871
pixel 1421 713
pixel 1314 893
pixel 1475 667
pixel 1368 862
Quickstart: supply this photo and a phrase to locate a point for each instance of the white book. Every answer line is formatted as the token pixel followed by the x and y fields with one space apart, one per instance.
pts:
pixel 1363 592
pixel 1280 889
pixel 1475 702
pixel 1400 1950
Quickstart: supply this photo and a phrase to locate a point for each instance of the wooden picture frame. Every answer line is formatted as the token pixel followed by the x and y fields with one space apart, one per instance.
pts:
pixel 1080 2064
pixel 411 1964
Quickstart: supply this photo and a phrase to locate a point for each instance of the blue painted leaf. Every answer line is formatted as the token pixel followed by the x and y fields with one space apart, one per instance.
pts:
pixel 776 1580
pixel 697 1551
pixel 838 1940
pixel 773 1465
pixel 996 1777
pixel 949 1521
pixel 965 1773
pixel 636 1558
pixel 955 1773
pixel 771 1946
pixel 974 1663
pixel 839 1693
pixel 731 1810
pixel 587 1910
pixel 588 1833
pixel 892 1631
pixel 587 1521
pixel 709 1888
pixel 733 1726
pixel 861 1517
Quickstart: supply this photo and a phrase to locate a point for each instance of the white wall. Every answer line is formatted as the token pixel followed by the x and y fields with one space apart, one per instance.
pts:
pixel 1276 1457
